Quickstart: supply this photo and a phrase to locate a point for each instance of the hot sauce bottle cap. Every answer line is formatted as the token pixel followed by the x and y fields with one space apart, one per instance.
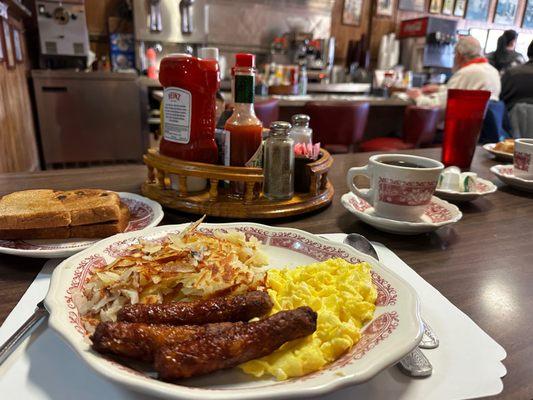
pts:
pixel 244 60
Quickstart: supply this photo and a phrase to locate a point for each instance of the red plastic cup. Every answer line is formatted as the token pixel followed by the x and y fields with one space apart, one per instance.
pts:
pixel 465 112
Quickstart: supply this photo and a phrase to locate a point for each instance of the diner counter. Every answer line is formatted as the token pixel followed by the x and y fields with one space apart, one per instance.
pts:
pixel 225 85
pixel 482 264
pixel 299 101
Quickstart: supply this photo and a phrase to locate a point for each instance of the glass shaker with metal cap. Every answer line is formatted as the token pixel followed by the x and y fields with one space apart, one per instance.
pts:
pixel 300 132
pixel 278 164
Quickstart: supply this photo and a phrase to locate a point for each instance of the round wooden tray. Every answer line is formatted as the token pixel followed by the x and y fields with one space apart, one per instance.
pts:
pixel 217 200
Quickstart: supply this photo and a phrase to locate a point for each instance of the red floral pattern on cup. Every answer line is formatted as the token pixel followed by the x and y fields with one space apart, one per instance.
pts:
pixel 404 193
pixel 434 211
pixel 522 161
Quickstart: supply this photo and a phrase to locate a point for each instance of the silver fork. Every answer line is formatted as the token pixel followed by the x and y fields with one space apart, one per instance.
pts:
pixel 12 343
pixel 414 364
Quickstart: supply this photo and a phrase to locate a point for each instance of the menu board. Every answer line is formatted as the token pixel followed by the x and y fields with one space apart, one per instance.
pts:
pixel 492 40
pixel 522 43
pixel 480 34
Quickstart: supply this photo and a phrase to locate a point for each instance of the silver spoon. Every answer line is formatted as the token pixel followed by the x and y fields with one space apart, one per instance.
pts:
pixel 414 364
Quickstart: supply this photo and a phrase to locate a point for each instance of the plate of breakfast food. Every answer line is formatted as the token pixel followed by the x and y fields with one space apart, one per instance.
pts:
pixel 49 223
pixel 238 310
pixel 502 151
pixel 457 186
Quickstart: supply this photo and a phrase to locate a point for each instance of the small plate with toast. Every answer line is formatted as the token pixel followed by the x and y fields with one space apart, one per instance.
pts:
pixel 501 151
pixel 47 223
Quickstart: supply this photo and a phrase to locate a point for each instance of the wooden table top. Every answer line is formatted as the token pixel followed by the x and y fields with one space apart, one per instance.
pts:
pixel 481 264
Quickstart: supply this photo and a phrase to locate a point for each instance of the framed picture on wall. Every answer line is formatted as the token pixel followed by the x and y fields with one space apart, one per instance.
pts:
pixel 412 5
pixel 459 9
pixel 506 12
pixel 385 8
pixel 351 12
pixel 435 6
pixel 527 22
pixel 17 45
pixel 2 47
pixel 477 10
pixel 8 44
pixel 447 7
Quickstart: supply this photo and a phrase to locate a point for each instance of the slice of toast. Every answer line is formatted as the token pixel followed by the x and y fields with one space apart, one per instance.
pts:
pixel 90 206
pixel 104 229
pixel 33 209
pixel 80 231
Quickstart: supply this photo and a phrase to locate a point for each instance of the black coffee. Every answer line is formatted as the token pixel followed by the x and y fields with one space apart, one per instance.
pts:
pixel 400 163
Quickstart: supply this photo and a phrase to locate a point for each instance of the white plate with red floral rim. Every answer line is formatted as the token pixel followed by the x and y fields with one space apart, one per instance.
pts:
pixel 506 174
pixel 437 214
pixel 144 213
pixel 483 188
pixel 498 154
pixel 393 332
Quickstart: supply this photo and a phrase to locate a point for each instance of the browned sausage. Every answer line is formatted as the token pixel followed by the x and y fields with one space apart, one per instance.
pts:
pixel 220 309
pixel 233 346
pixel 139 341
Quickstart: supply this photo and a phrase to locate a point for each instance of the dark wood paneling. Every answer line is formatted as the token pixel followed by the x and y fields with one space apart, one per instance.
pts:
pixel 18 148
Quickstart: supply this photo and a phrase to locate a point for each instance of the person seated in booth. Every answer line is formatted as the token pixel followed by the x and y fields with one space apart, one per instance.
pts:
pixel 471 72
pixel 505 56
pixel 517 83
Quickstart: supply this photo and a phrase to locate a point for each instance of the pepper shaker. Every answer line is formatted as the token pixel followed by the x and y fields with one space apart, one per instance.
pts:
pixel 278 167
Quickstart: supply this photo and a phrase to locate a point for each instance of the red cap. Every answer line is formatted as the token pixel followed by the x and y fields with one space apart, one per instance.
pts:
pixel 244 60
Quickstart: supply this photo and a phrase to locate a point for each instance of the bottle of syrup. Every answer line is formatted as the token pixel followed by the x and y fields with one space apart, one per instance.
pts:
pixel 244 127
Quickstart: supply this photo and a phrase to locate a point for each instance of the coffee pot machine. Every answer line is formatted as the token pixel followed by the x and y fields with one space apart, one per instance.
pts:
pixel 63 34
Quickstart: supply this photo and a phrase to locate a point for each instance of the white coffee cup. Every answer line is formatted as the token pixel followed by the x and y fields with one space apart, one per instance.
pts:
pixel 523 158
pixel 400 192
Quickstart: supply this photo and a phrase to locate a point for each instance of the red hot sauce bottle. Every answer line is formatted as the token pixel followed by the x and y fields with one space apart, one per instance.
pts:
pixel 244 127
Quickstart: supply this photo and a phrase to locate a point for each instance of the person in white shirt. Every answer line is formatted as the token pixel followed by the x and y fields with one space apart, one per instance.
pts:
pixel 472 72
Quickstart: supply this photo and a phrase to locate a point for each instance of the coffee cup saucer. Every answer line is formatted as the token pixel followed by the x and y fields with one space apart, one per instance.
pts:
pixel 437 214
pixel 506 174
pixel 483 188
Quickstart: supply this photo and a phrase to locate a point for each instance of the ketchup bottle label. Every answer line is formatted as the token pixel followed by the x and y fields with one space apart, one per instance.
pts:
pixel 177 115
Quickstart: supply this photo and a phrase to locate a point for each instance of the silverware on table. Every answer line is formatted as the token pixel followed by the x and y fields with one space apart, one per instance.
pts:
pixel 12 343
pixel 414 364
pixel 429 339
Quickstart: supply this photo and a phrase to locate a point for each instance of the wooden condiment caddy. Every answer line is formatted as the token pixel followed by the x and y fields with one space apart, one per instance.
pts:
pixel 217 201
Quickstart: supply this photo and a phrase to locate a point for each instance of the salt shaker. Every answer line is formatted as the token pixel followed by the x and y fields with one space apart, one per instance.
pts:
pixel 278 165
pixel 300 132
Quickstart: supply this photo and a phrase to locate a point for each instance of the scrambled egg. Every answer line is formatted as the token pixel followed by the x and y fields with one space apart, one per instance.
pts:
pixel 343 296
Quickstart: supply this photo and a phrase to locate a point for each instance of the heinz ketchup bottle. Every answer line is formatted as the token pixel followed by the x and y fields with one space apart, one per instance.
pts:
pixel 188 110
